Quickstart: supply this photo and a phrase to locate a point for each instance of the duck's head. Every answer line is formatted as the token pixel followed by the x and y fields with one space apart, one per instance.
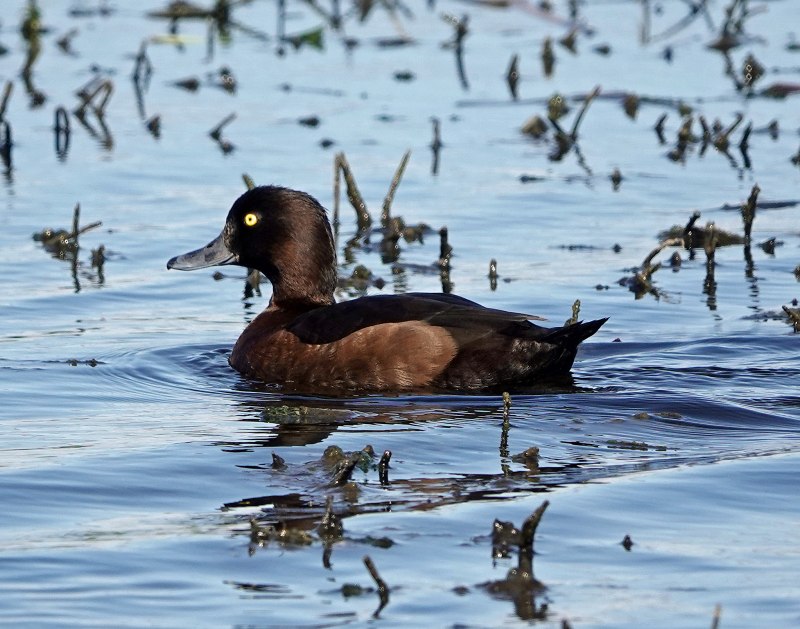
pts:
pixel 283 233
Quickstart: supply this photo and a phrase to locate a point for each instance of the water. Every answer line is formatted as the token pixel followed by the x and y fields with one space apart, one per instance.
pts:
pixel 132 457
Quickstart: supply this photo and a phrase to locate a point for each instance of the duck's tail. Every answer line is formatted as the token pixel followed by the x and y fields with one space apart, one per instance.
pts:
pixel 574 334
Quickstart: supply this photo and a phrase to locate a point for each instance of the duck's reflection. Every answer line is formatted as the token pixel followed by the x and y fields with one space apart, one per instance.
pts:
pixel 310 501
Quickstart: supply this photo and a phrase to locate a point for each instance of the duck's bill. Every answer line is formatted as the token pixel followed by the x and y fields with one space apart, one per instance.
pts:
pixel 215 253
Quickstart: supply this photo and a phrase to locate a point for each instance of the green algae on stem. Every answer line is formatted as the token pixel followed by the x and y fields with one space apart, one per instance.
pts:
pixel 576 311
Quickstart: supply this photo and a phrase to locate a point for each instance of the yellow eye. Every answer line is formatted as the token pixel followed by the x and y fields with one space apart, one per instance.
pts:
pixel 250 219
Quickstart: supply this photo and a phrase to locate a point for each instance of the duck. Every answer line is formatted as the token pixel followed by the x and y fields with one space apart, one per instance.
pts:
pixel 307 342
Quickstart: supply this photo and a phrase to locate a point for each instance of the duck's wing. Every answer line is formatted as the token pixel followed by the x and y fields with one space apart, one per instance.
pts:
pixel 332 323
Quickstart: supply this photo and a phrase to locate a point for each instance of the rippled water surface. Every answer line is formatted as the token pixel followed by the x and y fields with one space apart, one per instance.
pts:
pixel 133 459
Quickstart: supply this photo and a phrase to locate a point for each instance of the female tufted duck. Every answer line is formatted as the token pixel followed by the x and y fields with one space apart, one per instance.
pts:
pixel 307 342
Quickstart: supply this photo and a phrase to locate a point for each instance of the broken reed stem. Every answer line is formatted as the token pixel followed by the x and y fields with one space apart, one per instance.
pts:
pixel 530 525
pixel 383 467
pixel 717 615
pixel 383 589
pixel 710 245
pixel 7 91
pixel 86 228
pixel 248 181
pixel 143 67
pixel 744 143
pixel 587 101
pixel 647 269
pixel 330 527
pixel 353 195
pixel 659 128
pixel 398 175
pixel 76 219
pixel 343 475
pixel 336 192
pixel 445 250
pixel 436 145
pixel 506 424
pixel 6 143
pixel 794 317
pixel 576 311
pixel 749 212
pixel 512 76
pixel 216 132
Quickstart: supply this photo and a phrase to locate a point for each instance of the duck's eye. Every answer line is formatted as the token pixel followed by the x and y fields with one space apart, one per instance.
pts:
pixel 250 219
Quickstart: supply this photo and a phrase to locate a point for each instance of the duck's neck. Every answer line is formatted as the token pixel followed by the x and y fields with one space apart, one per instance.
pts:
pixel 304 276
